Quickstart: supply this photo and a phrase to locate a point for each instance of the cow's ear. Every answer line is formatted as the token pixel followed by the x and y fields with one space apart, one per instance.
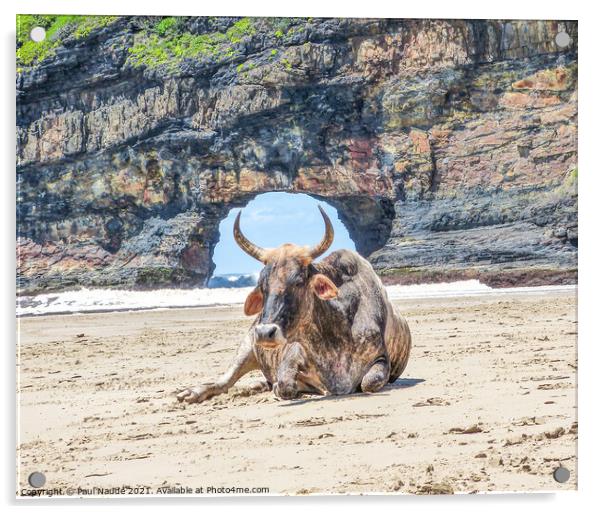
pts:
pixel 254 302
pixel 323 287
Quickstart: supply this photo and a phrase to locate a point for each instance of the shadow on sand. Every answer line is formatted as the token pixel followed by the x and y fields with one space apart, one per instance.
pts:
pixel 400 383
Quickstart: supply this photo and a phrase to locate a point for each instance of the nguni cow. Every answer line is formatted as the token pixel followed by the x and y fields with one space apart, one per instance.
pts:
pixel 321 327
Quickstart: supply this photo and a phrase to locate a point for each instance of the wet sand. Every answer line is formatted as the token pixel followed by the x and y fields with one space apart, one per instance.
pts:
pixel 487 403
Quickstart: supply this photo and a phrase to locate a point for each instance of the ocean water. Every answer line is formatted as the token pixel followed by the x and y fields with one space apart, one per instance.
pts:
pixel 100 300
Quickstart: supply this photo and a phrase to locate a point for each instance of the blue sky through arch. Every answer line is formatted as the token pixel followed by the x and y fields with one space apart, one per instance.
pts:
pixel 271 219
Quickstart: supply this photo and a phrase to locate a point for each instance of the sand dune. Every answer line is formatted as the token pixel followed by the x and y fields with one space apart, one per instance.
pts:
pixel 488 402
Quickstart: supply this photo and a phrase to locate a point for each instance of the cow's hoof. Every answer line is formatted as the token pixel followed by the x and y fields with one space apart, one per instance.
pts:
pixel 194 395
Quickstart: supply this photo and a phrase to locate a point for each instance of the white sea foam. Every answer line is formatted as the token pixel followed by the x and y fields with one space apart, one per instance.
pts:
pixel 98 300
pixel 465 288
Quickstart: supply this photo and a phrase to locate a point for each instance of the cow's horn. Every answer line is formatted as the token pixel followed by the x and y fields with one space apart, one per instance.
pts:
pixel 318 250
pixel 252 249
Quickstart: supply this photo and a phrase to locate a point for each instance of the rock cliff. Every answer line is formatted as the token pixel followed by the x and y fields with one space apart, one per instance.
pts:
pixel 449 148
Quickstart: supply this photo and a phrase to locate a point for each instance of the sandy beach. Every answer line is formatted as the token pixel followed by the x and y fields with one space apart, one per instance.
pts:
pixel 487 403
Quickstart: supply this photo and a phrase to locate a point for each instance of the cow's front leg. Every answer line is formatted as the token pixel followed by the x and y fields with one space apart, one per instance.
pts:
pixel 377 376
pixel 244 362
pixel 295 375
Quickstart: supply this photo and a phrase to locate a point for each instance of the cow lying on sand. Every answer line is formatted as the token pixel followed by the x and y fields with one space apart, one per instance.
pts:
pixel 321 328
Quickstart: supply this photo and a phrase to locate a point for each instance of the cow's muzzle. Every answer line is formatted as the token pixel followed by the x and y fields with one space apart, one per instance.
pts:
pixel 268 335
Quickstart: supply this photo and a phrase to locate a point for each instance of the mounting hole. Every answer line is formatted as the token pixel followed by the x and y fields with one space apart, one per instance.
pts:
pixel 561 474
pixel 38 34
pixel 37 479
pixel 562 39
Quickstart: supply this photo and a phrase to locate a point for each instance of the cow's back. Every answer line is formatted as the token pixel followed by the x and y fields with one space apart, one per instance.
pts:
pixel 364 298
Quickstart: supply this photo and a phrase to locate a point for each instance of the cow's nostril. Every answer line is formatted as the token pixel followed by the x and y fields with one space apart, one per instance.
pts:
pixel 266 332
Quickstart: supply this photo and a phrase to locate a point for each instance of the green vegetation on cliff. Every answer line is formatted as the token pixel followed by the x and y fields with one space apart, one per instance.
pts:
pixel 168 43
pixel 58 28
pixel 160 42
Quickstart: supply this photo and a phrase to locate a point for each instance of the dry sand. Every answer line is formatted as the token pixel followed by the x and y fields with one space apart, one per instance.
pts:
pixel 488 402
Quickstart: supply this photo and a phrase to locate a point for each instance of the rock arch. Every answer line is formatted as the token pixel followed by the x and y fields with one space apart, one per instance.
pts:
pixel 153 222
pixel 447 146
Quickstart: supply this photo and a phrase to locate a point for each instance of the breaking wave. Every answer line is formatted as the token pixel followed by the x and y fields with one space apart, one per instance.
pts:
pixel 104 300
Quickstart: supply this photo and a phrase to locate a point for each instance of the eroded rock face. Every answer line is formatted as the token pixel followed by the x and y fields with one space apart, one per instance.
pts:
pixel 448 147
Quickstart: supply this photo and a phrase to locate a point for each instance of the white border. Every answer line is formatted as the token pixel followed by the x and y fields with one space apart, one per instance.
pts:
pixel 508 9
pixel 589 227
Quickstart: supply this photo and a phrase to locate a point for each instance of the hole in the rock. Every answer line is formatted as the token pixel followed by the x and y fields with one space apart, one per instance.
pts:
pixel 269 220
